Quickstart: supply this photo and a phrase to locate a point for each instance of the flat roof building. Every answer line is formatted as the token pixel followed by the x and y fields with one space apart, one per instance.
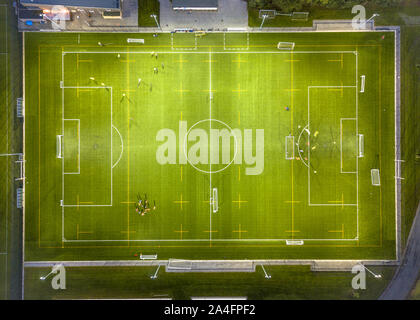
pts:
pixel 197 5
pixel 95 4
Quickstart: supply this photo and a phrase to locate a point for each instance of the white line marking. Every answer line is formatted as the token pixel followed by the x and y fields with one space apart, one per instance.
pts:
pixel 207 240
pixel 210 190
pixel 122 147
pixel 204 52
pixel 178 52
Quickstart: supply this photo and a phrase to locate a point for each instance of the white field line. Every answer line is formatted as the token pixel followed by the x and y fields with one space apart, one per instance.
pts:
pixel 192 52
pixel 122 147
pixel 63 103
pixel 341 144
pixel 397 120
pixel 210 117
pixel 357 134
pixel 111 167
pixel 78 147
pixel 204 52
pixel 207 240
pixel 298 145
pixel 309 153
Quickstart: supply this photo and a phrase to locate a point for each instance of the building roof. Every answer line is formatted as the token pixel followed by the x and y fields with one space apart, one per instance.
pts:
pixel 103 4
pixel 195 3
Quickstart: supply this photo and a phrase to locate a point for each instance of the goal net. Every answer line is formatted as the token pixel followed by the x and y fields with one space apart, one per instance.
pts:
pixel 362 83
pixel 361 146
pixel 290 147
pixel 374 174
pixel 148 256
pixel 294 242
pixel 300 16
pixel 286 45
pixel 60 146
pixel 215 201
pixel 268 14
pixel 135 40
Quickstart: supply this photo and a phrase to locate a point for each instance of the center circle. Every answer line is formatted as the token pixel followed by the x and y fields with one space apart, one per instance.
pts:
pixel 186 139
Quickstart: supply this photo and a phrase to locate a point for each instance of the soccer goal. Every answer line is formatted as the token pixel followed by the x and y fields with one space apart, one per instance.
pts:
pixel 286 45
pixel 200 33
pixel 148 256
pixel 60 146
pixel 290 147
pixel 361 146
pixel 362 83
pixel 376 180
pixel 215 201
pixel 300 16
pixel 134 40
pixel 268 14
pixel 294 242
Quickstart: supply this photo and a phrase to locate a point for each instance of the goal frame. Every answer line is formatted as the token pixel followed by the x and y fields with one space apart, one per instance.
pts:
pixel 287 46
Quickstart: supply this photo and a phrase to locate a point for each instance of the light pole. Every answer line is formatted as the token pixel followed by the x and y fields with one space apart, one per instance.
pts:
pixel 267 276
pixel 155 17
pixel 155 275
pixel 45 277
pixel 373 16
pixel 377 276
pixel 264 16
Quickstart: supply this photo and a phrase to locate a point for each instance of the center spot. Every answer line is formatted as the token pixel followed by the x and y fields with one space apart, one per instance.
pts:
pixel 210 146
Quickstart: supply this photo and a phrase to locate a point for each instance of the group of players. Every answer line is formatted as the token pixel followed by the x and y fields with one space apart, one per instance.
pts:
pixel 143 205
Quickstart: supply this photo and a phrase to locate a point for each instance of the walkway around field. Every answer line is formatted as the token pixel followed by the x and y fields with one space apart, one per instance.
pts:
pixel 406 275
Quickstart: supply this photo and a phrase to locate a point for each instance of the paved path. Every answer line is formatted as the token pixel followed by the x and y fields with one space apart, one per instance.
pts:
pixel 406 275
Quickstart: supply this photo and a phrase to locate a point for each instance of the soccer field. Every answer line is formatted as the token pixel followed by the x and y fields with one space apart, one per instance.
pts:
pixel 238 149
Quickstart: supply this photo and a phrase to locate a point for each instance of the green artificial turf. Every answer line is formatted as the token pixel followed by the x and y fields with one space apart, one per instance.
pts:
pixel 111 127
pixel 287 282
pixel 4 148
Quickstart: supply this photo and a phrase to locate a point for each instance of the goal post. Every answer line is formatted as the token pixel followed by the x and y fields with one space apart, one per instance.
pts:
pixel 300 16
pixel 286 45
pixel 148 256
pixel 59 142
pixel 215 201
pixel 290 147
pixel 362 83
pixel 375 177
pixel 361 146
pixel 200 33
pixel 135 40
pixel 294 242
pixel 268 14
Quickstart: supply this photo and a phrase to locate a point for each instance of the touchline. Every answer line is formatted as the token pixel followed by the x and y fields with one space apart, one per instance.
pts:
pixel 212 147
